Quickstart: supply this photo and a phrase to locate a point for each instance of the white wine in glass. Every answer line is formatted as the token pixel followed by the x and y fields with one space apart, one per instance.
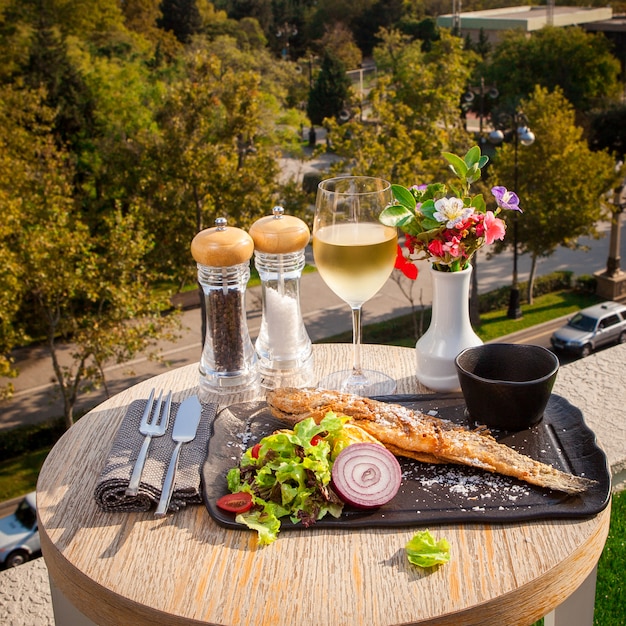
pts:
pixel 354 254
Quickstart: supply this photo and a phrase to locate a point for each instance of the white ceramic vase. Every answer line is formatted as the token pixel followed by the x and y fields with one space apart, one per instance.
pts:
pixel 450 331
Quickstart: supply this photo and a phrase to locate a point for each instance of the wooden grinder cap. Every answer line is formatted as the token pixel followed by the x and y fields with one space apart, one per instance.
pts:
pixel 279 233
pixel 222 246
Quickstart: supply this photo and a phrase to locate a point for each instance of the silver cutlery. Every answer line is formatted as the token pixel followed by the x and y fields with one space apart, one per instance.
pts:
pixel 153 424
pixel 185 428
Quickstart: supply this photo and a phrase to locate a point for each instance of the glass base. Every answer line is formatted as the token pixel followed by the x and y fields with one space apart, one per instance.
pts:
pixel 368 383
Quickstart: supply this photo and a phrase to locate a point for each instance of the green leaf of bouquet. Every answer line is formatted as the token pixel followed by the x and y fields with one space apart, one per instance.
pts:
pixel 427 208
pixel 472 157
pixel 403 196
pixel 457 164
pixel 434 191
pixel 395 215
pixel 473 174
pixel 484 159
pixel 479 203
pixel 431 224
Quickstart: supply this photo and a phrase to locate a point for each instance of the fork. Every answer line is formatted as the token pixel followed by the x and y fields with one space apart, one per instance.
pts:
pixel 153 424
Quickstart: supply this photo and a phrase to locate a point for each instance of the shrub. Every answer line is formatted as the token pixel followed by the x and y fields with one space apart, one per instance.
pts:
pixel 17 441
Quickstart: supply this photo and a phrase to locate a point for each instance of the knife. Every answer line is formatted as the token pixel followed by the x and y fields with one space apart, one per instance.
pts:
pixel 185 427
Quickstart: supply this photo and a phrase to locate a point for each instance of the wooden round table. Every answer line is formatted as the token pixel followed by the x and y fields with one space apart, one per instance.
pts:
pixel 131 568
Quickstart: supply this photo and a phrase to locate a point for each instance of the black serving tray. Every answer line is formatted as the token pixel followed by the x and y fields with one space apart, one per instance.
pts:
pixel 438 493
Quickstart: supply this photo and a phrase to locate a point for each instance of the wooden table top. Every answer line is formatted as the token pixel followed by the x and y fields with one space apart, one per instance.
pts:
pixel 131 568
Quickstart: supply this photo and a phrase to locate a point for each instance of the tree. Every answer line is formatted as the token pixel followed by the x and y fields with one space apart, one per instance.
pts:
pixel 412 113
pixel 608 130
pixel 181 17
pixel 331 91
pixel 381 14
pixel 560 179
pixel 579 63
pixel 213 157
pixel 339 42
pixel 89 290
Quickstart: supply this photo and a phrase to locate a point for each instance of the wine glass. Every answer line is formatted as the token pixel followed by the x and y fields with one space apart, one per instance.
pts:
pixel 354 254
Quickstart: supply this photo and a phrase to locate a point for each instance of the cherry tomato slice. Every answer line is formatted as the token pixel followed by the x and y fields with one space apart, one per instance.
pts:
pixel 316 439
pixel 235 502
pixel 254 453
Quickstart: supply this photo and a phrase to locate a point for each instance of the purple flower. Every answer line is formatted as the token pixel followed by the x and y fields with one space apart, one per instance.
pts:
pixel 506 199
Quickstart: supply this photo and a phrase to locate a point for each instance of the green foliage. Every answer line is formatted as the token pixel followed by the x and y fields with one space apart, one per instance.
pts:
pixel 499 298
pixel 579 63
pixel 412 113
pixel 610 608
pixel 331 91
pixel 181 17
pixel 560 204
pixel 608 130
pixel 18 476
pixel 20 440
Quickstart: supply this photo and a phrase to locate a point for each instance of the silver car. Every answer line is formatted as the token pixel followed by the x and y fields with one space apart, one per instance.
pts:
pixel 591 328
pixel 19 536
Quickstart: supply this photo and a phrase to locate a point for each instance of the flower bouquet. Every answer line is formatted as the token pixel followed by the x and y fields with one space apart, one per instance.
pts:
pixel 447 229
pixel 446 225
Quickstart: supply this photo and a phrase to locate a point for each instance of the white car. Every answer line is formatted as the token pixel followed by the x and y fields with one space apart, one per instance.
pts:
pixel 592 328
pixel 19 536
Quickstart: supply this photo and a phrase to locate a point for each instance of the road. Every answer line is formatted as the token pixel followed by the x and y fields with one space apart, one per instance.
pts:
pixel 324 315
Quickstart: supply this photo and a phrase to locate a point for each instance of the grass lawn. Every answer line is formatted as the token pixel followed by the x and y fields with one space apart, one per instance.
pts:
pixel 19 476
pixel 401 330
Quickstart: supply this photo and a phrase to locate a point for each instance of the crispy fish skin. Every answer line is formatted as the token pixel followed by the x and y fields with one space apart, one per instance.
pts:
pixel 415 435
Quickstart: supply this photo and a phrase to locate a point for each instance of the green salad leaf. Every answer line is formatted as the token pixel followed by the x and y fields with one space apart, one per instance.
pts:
pixel 424 551
pixel 288 474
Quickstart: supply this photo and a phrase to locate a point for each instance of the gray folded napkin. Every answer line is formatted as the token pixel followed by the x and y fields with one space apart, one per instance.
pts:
pixel 110 489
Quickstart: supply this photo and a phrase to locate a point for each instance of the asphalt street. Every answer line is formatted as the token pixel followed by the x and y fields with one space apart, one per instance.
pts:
pixel 324 315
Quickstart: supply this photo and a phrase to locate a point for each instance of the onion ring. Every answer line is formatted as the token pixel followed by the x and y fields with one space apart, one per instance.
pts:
pixel 366 475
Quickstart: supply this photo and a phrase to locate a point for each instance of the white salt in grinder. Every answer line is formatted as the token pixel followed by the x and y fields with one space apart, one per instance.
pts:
pixel 283 346
pixel 228 364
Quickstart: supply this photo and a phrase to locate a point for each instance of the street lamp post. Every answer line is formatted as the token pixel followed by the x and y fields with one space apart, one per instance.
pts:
pixel 521 135
pixel 286 31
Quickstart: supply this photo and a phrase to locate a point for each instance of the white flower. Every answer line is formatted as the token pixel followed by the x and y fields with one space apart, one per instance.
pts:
pixel 451 211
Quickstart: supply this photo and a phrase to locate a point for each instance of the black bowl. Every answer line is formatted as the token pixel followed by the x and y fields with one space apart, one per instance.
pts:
pixel 506 385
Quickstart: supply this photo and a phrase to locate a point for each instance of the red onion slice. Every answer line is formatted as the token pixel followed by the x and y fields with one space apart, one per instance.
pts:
pixel 366 475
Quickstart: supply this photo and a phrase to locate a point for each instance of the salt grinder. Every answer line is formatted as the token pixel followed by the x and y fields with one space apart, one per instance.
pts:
pixel 228 363
pixel 283 345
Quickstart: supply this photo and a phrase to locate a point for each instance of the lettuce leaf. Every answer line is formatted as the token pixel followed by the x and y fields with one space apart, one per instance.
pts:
pixel 289 475
pixel 424 551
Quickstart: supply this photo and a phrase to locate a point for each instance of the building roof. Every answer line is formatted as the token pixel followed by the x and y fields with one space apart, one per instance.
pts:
pixel 527 18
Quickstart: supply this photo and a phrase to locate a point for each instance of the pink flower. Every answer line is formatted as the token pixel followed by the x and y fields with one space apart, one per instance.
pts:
pixel 453 247
pixel 494 228
pixel 436 248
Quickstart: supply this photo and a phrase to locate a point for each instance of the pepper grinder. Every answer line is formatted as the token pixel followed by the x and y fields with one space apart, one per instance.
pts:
pixel 283 346
pixel 228 363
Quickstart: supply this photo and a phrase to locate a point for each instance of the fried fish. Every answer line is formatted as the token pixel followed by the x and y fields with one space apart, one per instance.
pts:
pixel 413 434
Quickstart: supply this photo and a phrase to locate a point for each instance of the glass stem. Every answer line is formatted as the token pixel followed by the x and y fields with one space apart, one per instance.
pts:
pixel 356 341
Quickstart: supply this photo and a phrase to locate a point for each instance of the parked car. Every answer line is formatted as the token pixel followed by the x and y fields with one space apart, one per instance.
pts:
pixel 19 536
pixel 591 328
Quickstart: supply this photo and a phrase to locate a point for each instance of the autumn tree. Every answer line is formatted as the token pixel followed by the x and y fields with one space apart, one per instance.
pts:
pixel 560 180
